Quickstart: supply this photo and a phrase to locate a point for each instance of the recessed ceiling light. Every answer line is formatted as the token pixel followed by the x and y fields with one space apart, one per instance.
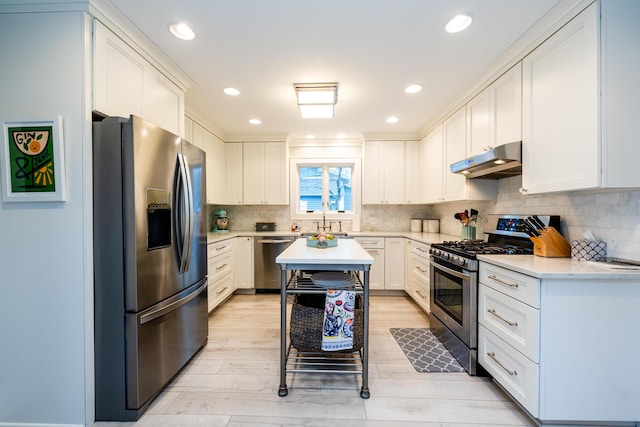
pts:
pixel 413 89
pixel 255 121
pixel 182 31
pixel 310 136
pixel 231 91
pixel 392 119
pixel 459 22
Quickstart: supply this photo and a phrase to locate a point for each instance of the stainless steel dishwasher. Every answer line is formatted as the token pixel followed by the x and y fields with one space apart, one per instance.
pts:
pixel 265 270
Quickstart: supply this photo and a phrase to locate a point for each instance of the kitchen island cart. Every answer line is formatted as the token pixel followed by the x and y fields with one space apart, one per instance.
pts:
pixel 347 256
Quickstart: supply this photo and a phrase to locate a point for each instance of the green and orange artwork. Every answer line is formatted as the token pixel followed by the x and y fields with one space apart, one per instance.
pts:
pixel 31 159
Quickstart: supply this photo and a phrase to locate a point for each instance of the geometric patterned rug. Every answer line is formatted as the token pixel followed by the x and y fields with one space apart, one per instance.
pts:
pixel 425 352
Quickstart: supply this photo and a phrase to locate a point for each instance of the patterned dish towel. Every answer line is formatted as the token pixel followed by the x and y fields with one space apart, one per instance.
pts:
pixel 337 330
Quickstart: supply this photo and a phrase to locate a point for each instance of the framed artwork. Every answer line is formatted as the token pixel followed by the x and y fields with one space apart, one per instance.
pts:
pixel 32 160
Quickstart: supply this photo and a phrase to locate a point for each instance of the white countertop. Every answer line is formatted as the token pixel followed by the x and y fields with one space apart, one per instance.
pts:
pixel 558 268
pixel 348 251
pixel 427 238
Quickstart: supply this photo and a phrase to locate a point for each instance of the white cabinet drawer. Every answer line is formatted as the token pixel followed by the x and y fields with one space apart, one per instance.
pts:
pixel 370 242
pixel 218 248
pixel 510 368
pixel 219 266
pixel 219 290
pixel 515 322
pixel 420 267
pixel 519 286
pixel 420 249
pixel 419 291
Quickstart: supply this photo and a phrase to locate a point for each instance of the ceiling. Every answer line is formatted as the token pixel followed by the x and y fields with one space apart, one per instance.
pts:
pixel 372 48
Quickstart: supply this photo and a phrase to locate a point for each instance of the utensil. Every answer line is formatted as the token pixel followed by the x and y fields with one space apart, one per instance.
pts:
pixel 537 219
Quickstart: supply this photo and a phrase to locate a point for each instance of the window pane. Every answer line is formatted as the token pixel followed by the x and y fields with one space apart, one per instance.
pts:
pixel 310 189
pixel 340 188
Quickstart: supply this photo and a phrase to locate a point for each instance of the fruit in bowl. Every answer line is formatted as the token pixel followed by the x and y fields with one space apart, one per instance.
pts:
pixel 322 236
pixel 322 240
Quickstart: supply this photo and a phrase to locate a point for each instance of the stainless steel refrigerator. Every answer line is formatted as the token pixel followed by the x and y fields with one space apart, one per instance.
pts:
pixel 150 262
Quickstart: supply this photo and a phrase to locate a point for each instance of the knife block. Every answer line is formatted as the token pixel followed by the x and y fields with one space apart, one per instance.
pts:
pixel 551 244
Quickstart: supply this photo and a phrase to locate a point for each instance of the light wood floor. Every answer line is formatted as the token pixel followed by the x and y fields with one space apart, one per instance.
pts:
pixel 234 381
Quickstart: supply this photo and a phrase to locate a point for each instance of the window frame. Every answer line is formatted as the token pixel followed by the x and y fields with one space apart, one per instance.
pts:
pixel 294 187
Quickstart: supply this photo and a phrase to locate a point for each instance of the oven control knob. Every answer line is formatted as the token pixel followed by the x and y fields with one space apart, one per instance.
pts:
pixel 461 261
pixel 445 256
pixel 436 252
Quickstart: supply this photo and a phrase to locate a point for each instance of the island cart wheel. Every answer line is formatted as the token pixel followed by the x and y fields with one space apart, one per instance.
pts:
pixel 364 393
pixel 282 391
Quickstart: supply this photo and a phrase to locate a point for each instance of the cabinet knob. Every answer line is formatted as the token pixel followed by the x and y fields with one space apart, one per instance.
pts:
pixel 522 190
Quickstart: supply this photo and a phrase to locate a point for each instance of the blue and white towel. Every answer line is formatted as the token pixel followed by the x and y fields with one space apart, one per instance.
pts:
pixel 338 325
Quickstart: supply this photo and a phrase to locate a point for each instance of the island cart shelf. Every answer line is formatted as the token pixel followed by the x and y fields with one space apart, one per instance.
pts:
pixel 348 256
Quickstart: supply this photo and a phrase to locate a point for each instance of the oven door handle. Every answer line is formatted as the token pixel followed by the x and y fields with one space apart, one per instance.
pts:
pixel 450 271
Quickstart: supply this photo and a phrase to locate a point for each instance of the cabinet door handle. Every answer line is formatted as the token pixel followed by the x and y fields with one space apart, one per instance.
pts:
pixel 508 322
pixel 364 242
pixel 492 355
pixel 421 250
pixel 372 251
pixel 421 294
pixel 221 248
pixel 221 290
pixel 221 267
pixel 421 270
pixel 503 281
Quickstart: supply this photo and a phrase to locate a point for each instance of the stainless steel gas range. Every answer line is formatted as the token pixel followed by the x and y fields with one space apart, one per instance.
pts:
pixel 454 280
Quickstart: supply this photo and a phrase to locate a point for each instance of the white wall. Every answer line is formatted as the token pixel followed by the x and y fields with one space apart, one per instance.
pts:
pixel 46 349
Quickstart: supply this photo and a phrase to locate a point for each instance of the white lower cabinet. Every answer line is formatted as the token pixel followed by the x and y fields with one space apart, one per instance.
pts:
pixel 394 263
pixel 220 265
pixel 243 269
pixel 375 247
pixel 510 368
pixel 562 347
pixel 417 275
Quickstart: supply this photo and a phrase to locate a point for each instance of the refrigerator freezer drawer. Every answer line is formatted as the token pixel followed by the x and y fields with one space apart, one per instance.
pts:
pixel 161 340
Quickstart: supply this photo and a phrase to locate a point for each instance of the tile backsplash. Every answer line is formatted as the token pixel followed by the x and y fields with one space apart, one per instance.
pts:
pixel 612 216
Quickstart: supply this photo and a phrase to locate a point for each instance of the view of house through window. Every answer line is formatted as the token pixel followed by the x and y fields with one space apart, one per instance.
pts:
pixel 326 186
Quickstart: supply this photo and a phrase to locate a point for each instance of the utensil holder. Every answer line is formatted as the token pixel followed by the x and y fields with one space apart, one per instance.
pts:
pixel 551 244
pixel 468 232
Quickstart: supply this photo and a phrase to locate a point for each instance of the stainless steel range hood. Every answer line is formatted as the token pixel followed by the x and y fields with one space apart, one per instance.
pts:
pixel 500 162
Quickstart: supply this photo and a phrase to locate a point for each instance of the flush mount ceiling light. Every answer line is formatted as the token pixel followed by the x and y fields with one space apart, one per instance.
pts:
pixel 413 89
pixel 182 31
pixel 459 22
pixel 316 100
pixel 231 91
pixel 393 119
pixel 255 121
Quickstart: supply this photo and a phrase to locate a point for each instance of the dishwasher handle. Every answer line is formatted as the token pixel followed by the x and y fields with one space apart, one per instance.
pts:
pixel 275 241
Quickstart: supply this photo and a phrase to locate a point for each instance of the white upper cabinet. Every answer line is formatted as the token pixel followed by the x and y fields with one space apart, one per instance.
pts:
pixel 478 134
pixel 215 149
pixel 455 149
pixel 233 174
pixel 383 172
pixel 265 173
pixel 444 145
pixel 560 109
pixel 125 83
pixel 433 164
pixel 505 114
pixel 494 116
pixel 413 173
pixel 580 103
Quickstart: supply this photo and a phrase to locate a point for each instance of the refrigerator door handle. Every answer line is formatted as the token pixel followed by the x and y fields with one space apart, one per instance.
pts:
pixel 183 211
pixel 190 218
pixel 161 311
pixel 180 213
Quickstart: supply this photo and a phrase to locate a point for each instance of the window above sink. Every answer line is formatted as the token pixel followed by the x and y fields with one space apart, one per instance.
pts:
pixel 325 187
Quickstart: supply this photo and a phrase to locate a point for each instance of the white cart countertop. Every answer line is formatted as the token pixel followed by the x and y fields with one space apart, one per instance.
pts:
pixel 347 252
